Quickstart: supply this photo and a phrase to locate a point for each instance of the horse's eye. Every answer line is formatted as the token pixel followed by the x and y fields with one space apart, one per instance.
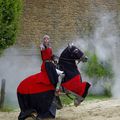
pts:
pixel 76 51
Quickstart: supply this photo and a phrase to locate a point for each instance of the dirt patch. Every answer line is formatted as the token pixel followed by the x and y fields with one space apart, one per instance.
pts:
pixel 94 110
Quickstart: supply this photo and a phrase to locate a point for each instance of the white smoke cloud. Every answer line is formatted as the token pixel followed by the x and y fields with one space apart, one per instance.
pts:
pixel 116 67
pixel 105 38
pixel 15 65
pixel 105 43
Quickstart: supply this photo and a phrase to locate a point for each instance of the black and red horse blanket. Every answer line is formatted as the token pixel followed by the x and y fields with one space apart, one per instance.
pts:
pixel 37 92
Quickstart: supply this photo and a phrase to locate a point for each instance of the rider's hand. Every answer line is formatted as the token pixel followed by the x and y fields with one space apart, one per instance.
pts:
pixel 57 92
pixel 55 59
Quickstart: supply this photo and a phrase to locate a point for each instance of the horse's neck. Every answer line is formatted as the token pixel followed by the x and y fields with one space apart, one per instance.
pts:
pixel 70 70
pixel 68 65
pixel 66 62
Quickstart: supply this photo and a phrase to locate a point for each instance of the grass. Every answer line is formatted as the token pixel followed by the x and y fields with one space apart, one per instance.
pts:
pixel 97 97
pixel 6 109
pixel 67 101
pixel 1 51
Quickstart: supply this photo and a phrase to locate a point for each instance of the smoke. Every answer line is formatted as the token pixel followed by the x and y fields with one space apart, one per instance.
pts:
pixel 15 65
pixel 105 43
pixel 18 63
pixel 106 39
pixel 116 67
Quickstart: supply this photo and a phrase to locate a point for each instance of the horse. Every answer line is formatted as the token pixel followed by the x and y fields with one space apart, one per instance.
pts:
pixel 36 93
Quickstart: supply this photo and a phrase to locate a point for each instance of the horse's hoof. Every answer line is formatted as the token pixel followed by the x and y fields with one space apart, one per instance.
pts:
pixel 38 118
pixel 30 118
pixel 49 118
pixel 78 101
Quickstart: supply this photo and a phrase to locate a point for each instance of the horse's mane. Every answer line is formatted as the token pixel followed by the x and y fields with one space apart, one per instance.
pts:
pixel 65 53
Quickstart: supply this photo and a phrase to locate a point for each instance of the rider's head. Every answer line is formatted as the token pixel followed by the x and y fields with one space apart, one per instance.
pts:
pixel 46 40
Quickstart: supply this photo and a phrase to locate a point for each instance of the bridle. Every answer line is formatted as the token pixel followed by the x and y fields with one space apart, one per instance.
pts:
pixel 67 60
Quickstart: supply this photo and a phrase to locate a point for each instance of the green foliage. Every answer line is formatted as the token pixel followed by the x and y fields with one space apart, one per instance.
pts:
pixel 1 50
pixel 102 71
pixel 66 100
pixel 96 69
pixel 6 109
pixel 10 11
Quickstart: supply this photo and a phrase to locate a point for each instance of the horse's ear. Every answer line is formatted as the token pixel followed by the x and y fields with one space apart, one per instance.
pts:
pixel 70 45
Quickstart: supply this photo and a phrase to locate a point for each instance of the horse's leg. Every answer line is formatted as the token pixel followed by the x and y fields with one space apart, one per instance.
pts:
pixel 77 87
pixel 80 99
pixel 43 104
pixel 25 107
pixel 86 89
pixel 58 103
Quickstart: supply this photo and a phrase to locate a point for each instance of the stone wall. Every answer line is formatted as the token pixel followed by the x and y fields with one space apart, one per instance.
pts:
pixel 63 20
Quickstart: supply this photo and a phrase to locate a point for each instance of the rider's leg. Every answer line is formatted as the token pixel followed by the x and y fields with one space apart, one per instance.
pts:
pixel 60 77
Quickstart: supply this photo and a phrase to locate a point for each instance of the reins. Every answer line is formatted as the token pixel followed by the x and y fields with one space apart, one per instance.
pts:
pixel 68 60
pixel 62 58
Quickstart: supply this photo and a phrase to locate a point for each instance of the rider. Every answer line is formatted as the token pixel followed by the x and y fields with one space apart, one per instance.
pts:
pixel 48 65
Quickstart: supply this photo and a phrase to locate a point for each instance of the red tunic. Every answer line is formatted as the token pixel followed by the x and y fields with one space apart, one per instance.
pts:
pixel 46 54
pixel 38 82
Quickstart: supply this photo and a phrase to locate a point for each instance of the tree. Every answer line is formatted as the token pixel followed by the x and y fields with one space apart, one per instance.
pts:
pixel 10 11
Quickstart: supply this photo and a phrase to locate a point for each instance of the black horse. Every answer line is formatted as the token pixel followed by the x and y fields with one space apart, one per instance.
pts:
pixel 38 96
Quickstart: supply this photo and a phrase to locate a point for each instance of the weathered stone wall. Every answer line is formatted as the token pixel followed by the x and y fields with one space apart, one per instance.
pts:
pixel 63 20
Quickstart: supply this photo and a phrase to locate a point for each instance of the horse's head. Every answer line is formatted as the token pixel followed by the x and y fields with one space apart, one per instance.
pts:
pixel 75 53
pixel 72 53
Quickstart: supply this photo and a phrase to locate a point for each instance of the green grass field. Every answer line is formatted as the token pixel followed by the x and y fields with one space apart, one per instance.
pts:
pixel 66 100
